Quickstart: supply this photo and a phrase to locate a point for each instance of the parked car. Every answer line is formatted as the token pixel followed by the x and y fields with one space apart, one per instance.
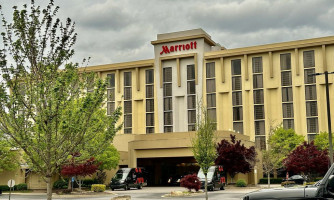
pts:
pixel 127 178
pixel 216 178
pixel 323 189
pixel 298 179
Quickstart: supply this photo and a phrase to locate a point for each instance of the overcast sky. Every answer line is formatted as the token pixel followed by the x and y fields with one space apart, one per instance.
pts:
pixel 111 31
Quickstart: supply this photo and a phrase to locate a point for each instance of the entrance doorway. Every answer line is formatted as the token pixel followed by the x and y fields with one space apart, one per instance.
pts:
pixel 167 171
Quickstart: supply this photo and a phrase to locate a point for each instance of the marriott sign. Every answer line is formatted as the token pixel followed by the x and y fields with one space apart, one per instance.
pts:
pixel 178 47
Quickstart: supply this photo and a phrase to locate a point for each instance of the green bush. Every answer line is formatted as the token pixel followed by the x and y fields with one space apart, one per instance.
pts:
pixel 287 183
pixel 272 181
pixel 98 188
pixel 21 186
pixel 89 182
pixel 241 183
pixel 4 187
pixel 60 184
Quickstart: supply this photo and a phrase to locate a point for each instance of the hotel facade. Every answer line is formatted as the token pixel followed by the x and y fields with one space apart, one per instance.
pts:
pixel 246 91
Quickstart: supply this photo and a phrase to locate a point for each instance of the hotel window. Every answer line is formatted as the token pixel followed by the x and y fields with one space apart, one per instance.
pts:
pixel 211 91
pixel 191 97
pixel 287 95
pixel 127 102
pixel 258 98
pixel 237 96
pixel 110 94
pixel 90 83
pixel 149 81
pixel 310 94
pixel 168 99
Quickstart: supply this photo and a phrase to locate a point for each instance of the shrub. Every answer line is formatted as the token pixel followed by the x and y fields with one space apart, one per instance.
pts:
pixel 21 186
pixel 98 188
pixel 60 184
pixel 89 182
pixel 4 187
pixel 191 182
pixel 287 183
pixel 272 181
pixel 241 183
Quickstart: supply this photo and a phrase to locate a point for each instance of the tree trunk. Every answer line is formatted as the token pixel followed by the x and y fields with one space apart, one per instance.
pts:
pixel 275 173
pixel 69 186
pixel 48 187
pixel 268 179
pixel 206 186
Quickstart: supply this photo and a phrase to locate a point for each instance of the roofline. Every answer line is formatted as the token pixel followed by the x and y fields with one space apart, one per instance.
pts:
pixel 190 37
pixel 270 47
pixel 116 66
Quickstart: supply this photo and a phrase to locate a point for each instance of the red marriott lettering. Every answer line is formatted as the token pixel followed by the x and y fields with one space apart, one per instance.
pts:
pixel 178 47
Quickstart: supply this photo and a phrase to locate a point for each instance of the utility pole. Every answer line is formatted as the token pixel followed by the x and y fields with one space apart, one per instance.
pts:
pixel 328 114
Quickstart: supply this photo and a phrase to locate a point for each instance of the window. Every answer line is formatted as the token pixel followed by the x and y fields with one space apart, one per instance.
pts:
pixel 258 97
pixel 285 61
pixel 127 102
pixel 149 85
pixel 310 92
pixel 287 93
pixel 260 142
pixel 211 91
pixel 167 96
pixel 191 96
pixel 309 59
pixel 237 95
pixel 110 93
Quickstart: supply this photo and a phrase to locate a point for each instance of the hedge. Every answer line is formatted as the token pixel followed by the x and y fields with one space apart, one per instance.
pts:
pixel 60 184
pixel 21 186
pixel 272 181
pixel 98 188
pixel 241 183
pixel 89 182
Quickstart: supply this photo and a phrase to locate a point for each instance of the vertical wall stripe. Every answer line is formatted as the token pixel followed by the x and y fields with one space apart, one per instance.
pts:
pixel 324 64
pixel 246 67
pixel 196 69
pixel 118 81
pixel 222 69
pixel 178 71
pixel 160 72
pixel 137 79
pixel 297 61
pixel 271 64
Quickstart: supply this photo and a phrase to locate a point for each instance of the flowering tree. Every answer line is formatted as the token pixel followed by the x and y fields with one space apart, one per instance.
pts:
pixel 80 170
pixel 191 181
pixel 307 159
pixel 235 157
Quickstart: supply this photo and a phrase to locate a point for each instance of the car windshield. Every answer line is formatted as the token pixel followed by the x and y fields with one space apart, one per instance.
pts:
pixel 211 171
pixel 121 174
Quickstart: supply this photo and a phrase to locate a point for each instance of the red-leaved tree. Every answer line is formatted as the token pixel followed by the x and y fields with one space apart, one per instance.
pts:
pixel 235 157
pixel 191 181
pixel 307 159
pixel 80 170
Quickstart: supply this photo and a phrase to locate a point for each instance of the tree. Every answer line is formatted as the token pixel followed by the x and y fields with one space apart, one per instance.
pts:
pixel 49 113
pixel 235 157
pixel 321 141
pixel 268 163
pixel 203 145
pixel 281 143
pixel 191 181
pixel 8 156
pixel 109 160
pixel 80 170
pixel 307 159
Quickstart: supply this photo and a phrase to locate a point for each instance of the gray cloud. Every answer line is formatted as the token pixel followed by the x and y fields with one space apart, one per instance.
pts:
pixel 121 30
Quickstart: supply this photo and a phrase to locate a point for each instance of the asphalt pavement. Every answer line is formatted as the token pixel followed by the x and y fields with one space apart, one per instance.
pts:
pixel 153 193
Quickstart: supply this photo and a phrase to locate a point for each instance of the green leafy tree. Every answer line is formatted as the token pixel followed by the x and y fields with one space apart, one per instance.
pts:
pixel 108 159
pixel 8 156
pixel 49 113
pixel 321 141
pixel 204 145
pixel 282 142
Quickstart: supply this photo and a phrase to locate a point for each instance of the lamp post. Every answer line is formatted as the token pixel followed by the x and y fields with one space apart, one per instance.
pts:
pixel 328 114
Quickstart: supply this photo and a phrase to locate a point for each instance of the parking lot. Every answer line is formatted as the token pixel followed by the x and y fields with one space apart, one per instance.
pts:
pixel 153 193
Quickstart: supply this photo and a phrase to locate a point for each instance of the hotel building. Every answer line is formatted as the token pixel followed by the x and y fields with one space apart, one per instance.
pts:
pixel 246 91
